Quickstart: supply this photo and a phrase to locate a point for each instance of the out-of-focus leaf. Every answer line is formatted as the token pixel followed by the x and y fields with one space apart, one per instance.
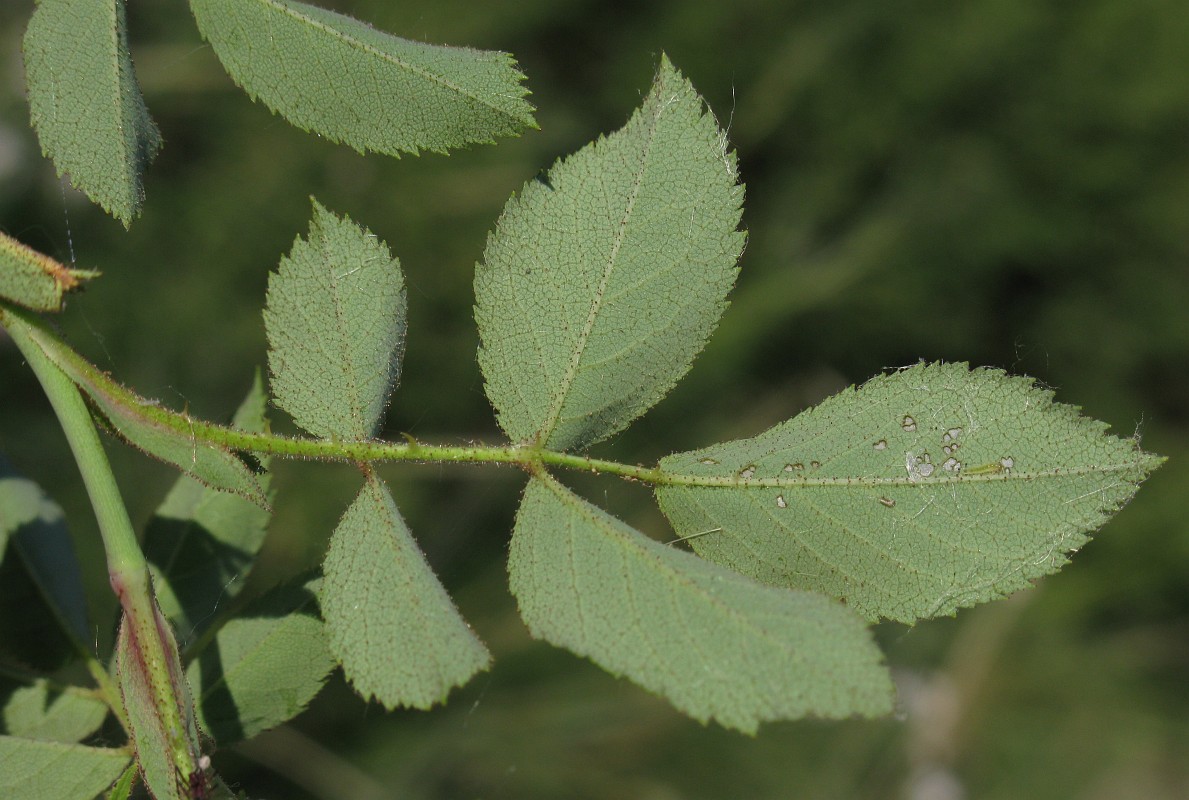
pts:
pixel 924 491
pixel 263 667
pixel 389 621
pixel 35 280
pixel 351 83
pixel 602 282
pixel 336 328
pixel 202 542
pixel 37 770
pixel 715 644
pixel 85 103
pixel 41 712
pixel 37 529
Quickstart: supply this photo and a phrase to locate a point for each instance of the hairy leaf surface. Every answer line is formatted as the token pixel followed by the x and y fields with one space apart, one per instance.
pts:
pixel 263 667
pixel 714 643
pixel 336 328
pixel 161 748
pixel 602 282
pixel 202 542
pixel 37 770
pixel 390 623
pixel 85 102
pixel 33 279
pixel 42 711
pixel 347 81
pixel 924 491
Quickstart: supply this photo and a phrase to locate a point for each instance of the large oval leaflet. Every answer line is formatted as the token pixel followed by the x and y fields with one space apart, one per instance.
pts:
pixel 601 284
pixel 99 131
pixel 343 79
pixel 924 491
pixel 717 645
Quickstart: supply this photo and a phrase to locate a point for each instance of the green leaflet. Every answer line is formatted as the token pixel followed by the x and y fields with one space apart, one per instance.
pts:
pixel 39 711
pixel 33 770
pixel 35 280
pixel 159 432
pixel 924 491
pixel 714 643
pixel 390 623
pixel 602 282
pixel 202 542
pixel 351 83
pixel 335 318
pixel 263 667
pixel 85 103
pixel 37 528
pixel 122 788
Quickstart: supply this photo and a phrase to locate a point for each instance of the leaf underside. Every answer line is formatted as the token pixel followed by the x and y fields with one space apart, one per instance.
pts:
pixel 345 80
pixel 389 621
pixel 714 643
pixel 602 282
pixel 931 489
pixel 335 319
pixel 85 102
pixel 35 280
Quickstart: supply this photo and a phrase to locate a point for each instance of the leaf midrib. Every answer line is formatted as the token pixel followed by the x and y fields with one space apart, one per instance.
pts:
pixel 596 304
pixel 679 480
pixel 398 62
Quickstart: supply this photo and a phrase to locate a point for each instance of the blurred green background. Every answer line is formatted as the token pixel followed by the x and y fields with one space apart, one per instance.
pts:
pixel 1004 182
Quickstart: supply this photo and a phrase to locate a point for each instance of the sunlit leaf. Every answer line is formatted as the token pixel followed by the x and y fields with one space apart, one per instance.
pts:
pixel 263 667
pixel 714 643
pixel 202 542
pixel 390 623
pixel 35 280
pixel 41 711
pixel 336 328
pixel 37 770
pixel 602 281
pixel 347 81
pixel 924 491
pixel 85 103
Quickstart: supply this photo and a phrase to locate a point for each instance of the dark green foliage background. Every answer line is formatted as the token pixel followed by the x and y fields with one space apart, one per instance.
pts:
pixel 1000 182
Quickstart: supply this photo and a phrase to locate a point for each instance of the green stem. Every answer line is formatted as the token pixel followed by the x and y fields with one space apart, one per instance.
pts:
pixel 528 457
pixel 127 568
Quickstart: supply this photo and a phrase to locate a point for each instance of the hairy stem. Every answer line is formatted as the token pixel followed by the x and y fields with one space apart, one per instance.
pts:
pixel 526 456
pixel 127 568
